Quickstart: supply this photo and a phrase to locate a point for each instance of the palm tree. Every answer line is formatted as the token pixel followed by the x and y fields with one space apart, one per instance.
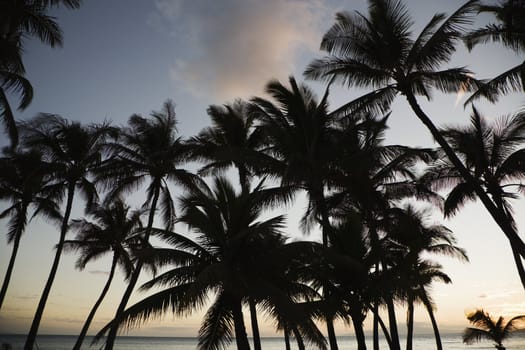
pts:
pixel 21 19
pixel 493 155
pixel 232 140
pixel 415 237
pixel 490 329
pixel 148 150
pixel 510 31
pixel 378 51
pixel 370 177
pixel 75 152
pixel 220 261
pixel 116 230
pixel 24 183
pixel 298 133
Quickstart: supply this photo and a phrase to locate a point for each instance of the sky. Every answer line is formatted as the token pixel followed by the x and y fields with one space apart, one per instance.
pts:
pixel 122 57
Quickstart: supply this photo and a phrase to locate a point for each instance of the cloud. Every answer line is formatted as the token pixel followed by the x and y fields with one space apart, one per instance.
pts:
pixel 98 272
pixel 26 297
pixel 232 48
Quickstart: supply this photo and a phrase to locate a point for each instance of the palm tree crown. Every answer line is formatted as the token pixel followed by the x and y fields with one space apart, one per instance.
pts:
pixel 490 329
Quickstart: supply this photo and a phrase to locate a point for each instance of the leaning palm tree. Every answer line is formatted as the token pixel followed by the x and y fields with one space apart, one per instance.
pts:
pixel 378 51
pixel 24 182
pixel 220 261
pixel 298 131
pixel 147 151
pixel 75 152
pixel 494 155
pixel 490 329
pixel 22 19
pixel 510 31
pixel 115 229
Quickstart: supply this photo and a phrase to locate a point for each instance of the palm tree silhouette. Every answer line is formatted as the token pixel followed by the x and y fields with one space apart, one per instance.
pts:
pixel 298 134
pixel 75 152
pixel 219 261
pixel 370 177
pixel 232 140
pixel 148 150
pixel 494 156
pixel 21 19
pixel 490 329
pixel 378 51
pixel 416 237
pixel 510 31
pixel 24 182
pixel 115 229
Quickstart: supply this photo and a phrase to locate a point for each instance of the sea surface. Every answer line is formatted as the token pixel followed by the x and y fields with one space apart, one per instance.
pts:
pixel 66 342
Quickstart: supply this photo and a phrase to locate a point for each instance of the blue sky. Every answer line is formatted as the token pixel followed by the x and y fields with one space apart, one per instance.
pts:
pixel 128 56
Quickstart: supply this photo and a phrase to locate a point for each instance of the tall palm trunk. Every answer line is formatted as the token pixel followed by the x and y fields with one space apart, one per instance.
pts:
pixel 31 337
pixel 10 266
pixel 326 232
pixel 410 322
pixel 392 322
pixel 255 325
pixel 497 214
pixel 94 309
pixel 112 335
pixel 287 345
pixel 435 327
pixel 357 321
pixel 298 339
pixel 241 338
pixel 375 330
pixel 383 328
pixel 515 251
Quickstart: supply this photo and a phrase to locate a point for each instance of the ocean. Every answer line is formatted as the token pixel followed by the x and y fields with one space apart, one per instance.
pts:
pixel 66 342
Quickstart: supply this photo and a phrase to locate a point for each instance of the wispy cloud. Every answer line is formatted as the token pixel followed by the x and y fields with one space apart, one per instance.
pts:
pixel 237 46
pixel 98 272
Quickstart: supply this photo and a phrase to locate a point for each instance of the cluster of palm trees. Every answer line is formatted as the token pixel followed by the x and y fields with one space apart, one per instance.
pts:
pixel 367 198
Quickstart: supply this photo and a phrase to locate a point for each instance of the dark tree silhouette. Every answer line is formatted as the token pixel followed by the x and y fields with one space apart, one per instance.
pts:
pixel 22 19
pixel 378 51
pixel 24 182
pixel 490 329
pixel 115 229
pixel 75 152
pixel 298 133
pixel 493 154
pixel 148 150
pixel 510 31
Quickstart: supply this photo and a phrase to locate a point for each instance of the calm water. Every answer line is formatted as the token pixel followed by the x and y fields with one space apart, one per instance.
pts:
pixel 64 342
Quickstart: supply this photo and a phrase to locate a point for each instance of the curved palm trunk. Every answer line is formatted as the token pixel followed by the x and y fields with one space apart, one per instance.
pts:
pixel 375 331
pixel 498 215
pixel 31 337
pixel 435 327
pixel 255 325
pixel 384 329
pixel 112 335
pixel 241 338
pixel 287 339
pixel 357 320
pixel 326 230
pixel 515 251
pixel 392 322
pixel 298 339
pixel 410 322
pixel 10 267
pixel 94 309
